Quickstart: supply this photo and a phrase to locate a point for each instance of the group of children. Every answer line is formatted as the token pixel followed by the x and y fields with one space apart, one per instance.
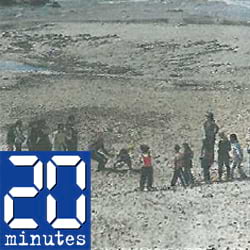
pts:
pixel 39 138
pixel 230 154
pixel 182 167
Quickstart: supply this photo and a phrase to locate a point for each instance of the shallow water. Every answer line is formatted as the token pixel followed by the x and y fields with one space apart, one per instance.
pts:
pixel 243 3
pixel 13 66
pixel 236 10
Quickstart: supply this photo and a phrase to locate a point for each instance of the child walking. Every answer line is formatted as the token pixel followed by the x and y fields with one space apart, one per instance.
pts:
pixel 224 147
pixel 147 169
pixel 178 167
pixel 237 157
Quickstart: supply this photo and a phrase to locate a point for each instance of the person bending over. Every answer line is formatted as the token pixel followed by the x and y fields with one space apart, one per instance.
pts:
pixel 98 152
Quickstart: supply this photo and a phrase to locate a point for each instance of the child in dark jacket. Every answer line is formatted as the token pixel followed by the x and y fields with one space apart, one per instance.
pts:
pixel 123 157
pixel 188 155
pixel 224 147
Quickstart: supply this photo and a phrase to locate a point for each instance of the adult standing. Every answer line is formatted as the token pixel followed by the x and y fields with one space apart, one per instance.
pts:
pixel 210 128
pixel 33 133
pixel 43 141
pixel 59 138
pixel 11 135
pixel 15 137
pixel 19 136
pixel 71 140
pixel 248 147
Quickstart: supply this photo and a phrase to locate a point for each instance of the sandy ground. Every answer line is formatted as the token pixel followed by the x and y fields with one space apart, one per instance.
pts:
pixel 142 81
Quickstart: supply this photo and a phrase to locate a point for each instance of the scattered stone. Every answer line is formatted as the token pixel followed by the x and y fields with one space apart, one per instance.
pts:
pixel 19 15
pixel 54 4
pixel 207 196
pixel 211 248
pixel 6 34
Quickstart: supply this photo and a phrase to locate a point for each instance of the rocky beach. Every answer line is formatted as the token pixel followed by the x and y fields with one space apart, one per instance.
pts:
pixel 144 72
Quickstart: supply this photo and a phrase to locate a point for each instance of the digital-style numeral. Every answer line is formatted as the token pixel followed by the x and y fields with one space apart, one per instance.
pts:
pixel 23 192
pixel 31 192
pixel 66 161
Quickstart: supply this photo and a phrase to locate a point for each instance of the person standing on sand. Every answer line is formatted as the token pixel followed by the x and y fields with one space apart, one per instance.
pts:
pixel 43 141
pixel 237 156
pixel 59 138
pixel 248 147
pixel 207 158
pixel 71 120
pixel 178 167
pixel 224 147
pixel 19 136
pixel 15 137
pixel 32 136
pixel 210 129
pixel 188 155
pixel 71 140
pixel 11 135
pixel 96 155
pixel 147 169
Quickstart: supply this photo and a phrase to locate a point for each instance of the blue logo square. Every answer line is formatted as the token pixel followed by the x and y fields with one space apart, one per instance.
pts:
pixel 45 200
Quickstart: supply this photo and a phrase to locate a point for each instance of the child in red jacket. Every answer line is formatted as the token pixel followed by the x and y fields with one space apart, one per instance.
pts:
pixel 147 169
